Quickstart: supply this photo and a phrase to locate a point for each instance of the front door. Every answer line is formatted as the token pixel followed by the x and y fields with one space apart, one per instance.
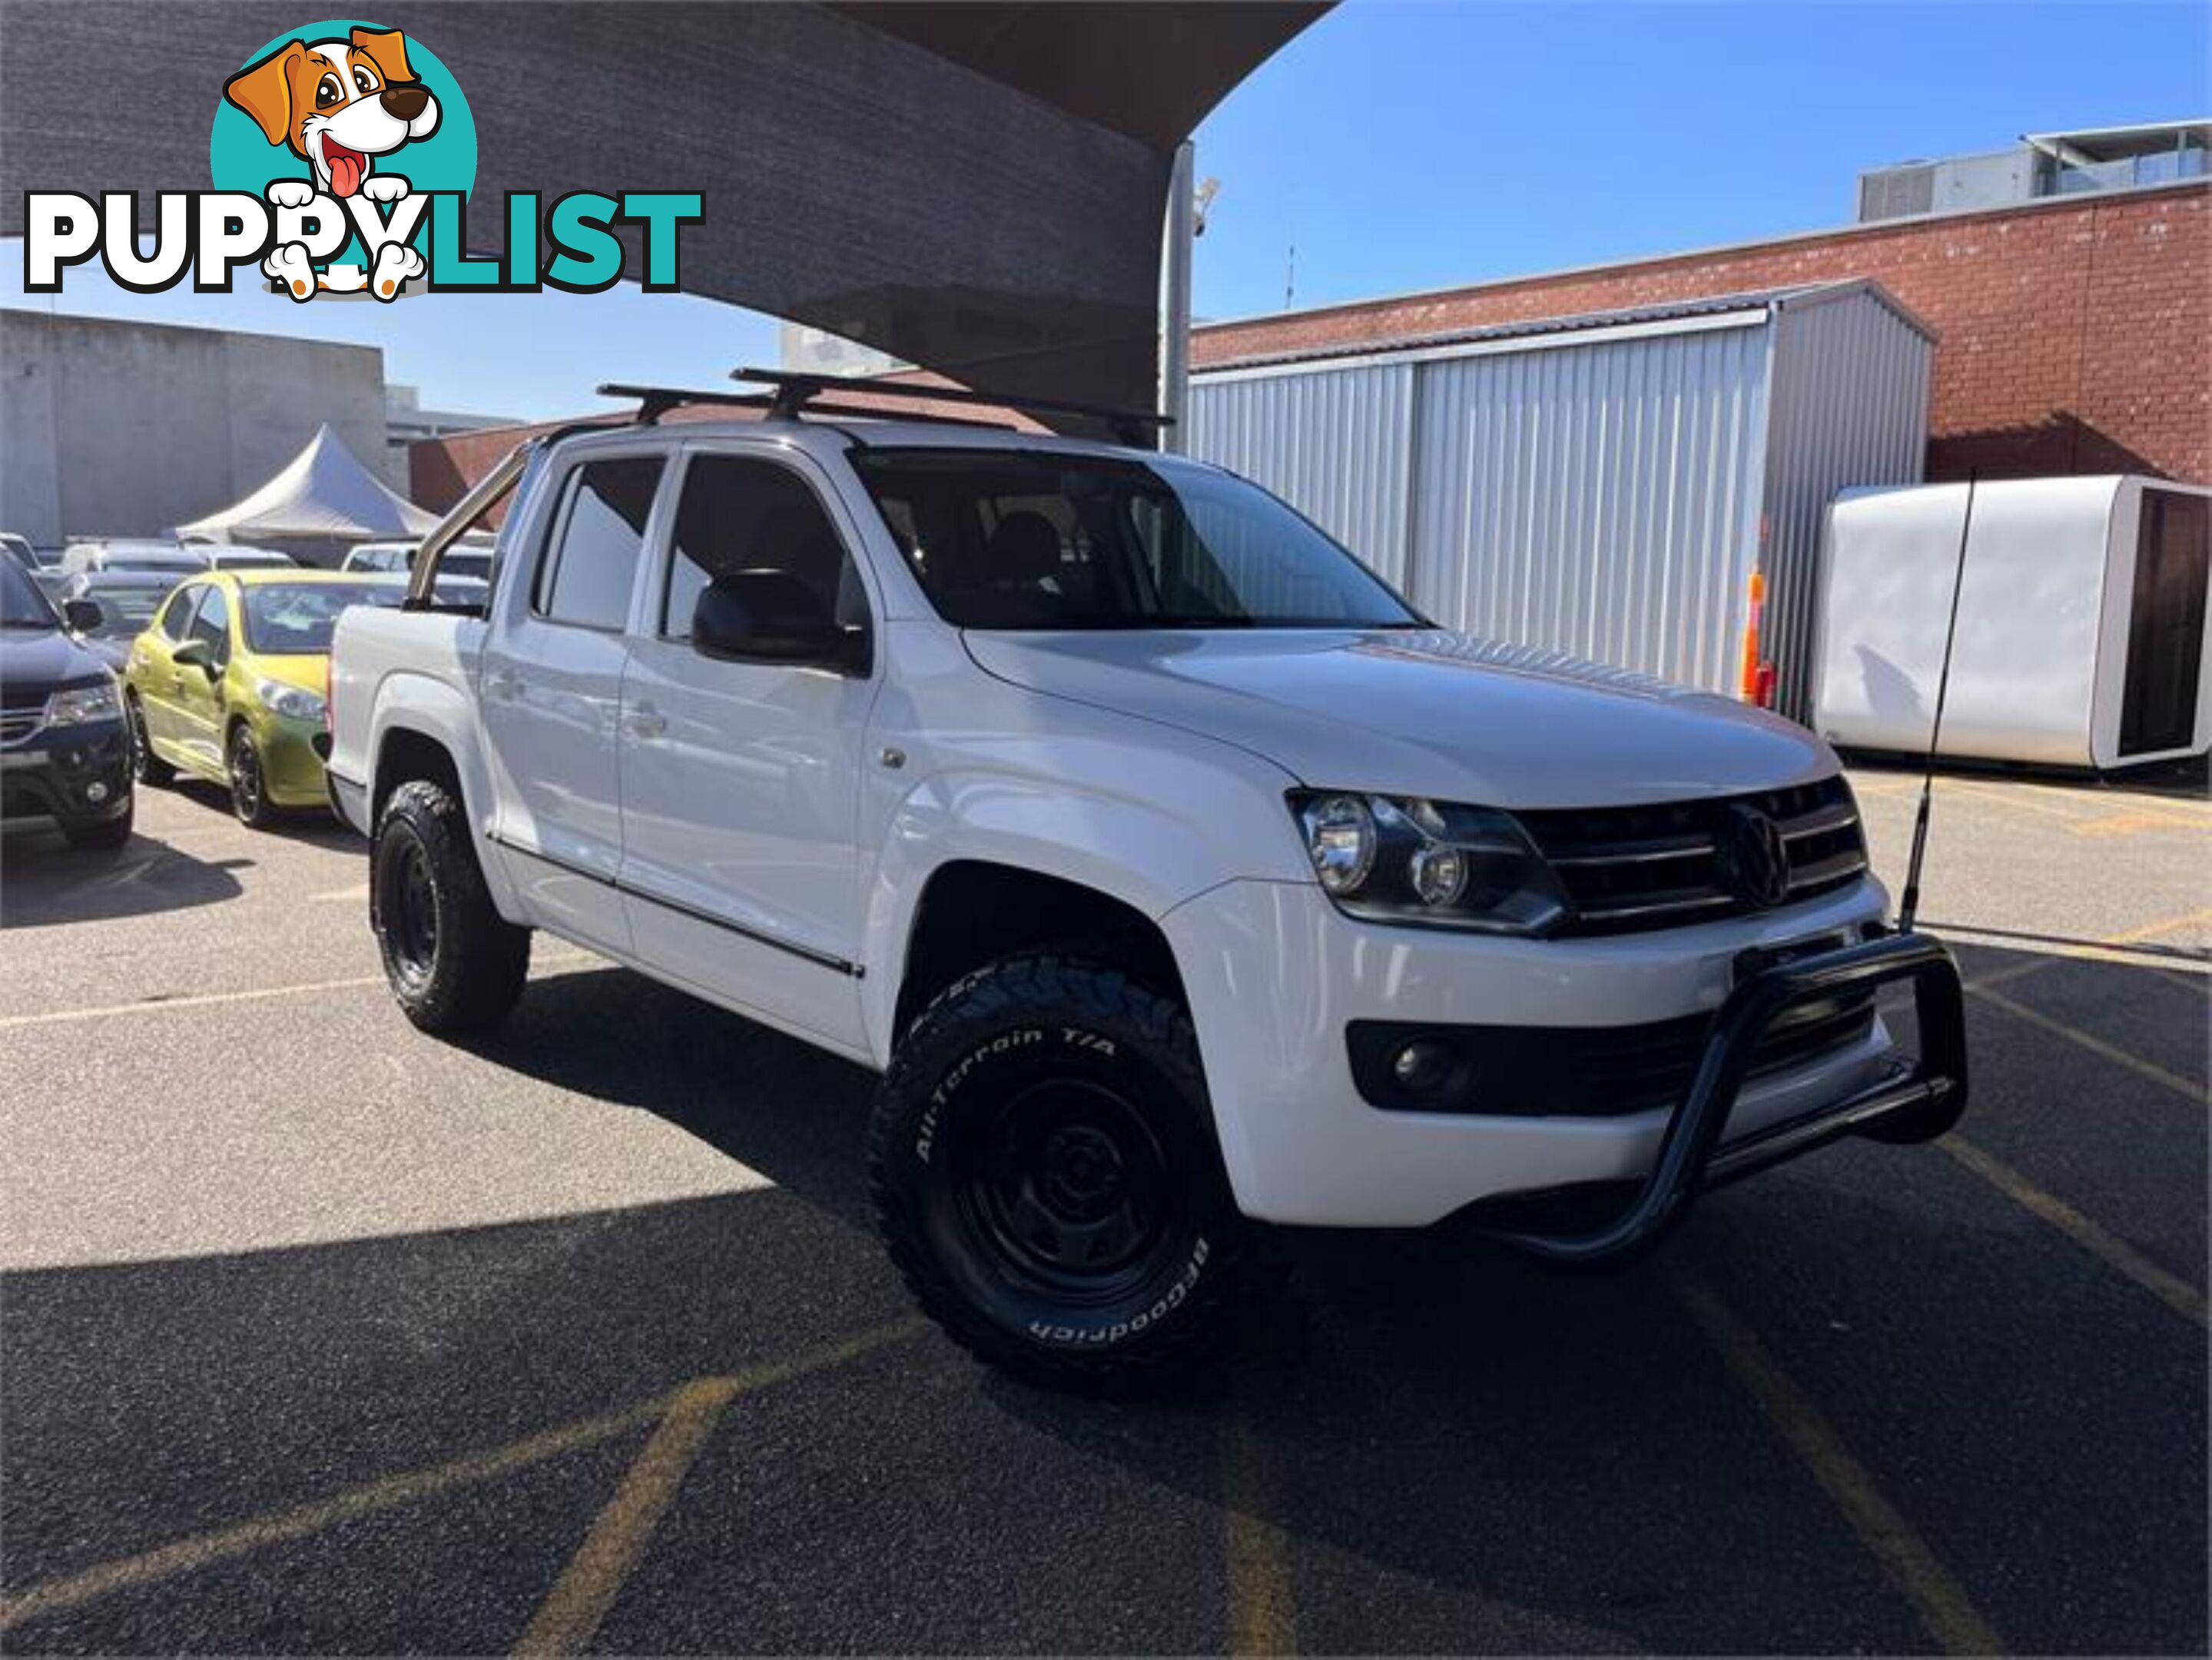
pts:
pixel 154 675
pixel 198 707
pixel 740 781
pixel 550 697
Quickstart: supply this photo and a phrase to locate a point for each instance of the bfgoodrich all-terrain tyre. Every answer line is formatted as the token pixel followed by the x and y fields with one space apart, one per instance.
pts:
pixel 1046 1177
pixel 454 964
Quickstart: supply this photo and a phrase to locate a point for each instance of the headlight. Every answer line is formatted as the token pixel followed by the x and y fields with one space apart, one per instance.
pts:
pixel 77 706
pixel 282 698
pixel 1394 859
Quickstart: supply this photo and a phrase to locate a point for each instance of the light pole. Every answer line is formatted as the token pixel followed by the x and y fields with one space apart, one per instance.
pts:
pixel 1175 248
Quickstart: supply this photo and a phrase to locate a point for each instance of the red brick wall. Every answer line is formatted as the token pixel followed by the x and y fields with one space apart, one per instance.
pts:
pixel 2076 336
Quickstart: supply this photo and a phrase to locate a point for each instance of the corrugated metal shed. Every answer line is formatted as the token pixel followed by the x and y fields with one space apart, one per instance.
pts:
pixel 1599 484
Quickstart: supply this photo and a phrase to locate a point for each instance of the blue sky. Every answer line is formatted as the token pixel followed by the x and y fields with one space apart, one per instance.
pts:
pixel 1419 145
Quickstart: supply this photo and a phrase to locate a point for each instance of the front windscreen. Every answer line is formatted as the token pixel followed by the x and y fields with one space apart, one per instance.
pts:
pixel 283 617
pixel 22 605
pixel 1039 539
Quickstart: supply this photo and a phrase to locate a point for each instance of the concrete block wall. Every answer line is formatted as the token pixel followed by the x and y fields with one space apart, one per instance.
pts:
pixel 110 427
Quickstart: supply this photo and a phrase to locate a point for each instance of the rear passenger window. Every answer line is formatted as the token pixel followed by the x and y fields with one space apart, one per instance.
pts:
pixel 587 575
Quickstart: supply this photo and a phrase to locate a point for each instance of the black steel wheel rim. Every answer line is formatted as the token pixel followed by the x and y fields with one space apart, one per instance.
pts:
pixel 245 774
pixel 411 910
pixel 1068 1189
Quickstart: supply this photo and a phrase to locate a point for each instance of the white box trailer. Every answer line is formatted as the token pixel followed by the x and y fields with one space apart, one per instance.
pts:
pixel 2082 621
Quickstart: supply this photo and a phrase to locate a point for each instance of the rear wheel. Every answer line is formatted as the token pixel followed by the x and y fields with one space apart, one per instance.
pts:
pixel 249 780
pixel 146 767
pixel 1046 1178
pixel 454 963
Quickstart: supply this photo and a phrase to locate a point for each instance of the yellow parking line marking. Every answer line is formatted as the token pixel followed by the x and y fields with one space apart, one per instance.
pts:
pixel 2135 822
pixel 565 1621
pixel 283 1527
pixel 1941 1602
pixel 2157 930
pixel 1255 1551
pixel 196 1000
pixel 2135 1063
pixel 2177 1293
pixel 2012 798
pixel 2010 973
pixel 204 1550
pixel 252 994
pixel 587 1587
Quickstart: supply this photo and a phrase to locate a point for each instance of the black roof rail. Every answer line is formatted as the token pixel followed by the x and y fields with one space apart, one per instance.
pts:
pixel 796 392
pixel 653 402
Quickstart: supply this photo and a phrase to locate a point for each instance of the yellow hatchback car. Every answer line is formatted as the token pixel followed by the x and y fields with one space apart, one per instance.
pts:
pixel 227 683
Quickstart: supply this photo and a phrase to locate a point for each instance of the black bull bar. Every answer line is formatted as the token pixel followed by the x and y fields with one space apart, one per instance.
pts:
pixel 1917 1101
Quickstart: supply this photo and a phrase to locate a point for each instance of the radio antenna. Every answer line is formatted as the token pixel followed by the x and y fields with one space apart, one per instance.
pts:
pixel 1910 906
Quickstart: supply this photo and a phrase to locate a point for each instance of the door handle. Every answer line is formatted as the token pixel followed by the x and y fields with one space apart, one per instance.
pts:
pixel 646 721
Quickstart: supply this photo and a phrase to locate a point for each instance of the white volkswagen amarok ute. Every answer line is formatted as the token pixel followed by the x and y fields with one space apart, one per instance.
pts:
pixel 1177 876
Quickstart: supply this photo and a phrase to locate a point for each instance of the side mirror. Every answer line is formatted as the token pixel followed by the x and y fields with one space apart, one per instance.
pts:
pixel 196 654
pixel 768 616
pixel 82 615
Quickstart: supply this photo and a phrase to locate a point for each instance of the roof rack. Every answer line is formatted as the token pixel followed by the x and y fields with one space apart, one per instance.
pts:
pixel 796 392
pixel 653 402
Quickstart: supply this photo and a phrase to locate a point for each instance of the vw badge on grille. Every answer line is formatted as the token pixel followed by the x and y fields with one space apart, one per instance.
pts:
pixel 1756 858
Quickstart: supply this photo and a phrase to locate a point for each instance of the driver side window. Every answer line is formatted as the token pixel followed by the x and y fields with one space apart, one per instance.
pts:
pixel 211 623
pixel 737 514
pixel 176 614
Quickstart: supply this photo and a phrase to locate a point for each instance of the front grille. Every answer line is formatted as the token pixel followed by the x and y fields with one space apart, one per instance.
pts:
pixel 1628 869
pixel 16 725
pixel 1588 1071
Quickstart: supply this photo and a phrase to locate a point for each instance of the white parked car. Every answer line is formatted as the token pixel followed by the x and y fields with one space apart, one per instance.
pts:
pixel 146 554
pixel 470 557
pixel 1175 876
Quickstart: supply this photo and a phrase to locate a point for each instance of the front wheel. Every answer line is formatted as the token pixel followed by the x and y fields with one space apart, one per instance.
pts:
pixel 1046 1177
pixel 454 964
pixel 249 779
pixel 146 767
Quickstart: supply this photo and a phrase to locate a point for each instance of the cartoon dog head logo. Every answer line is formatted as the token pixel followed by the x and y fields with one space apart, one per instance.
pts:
pixel 340 104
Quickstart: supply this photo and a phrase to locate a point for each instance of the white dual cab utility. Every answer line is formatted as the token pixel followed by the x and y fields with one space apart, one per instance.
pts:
pixel 1177 878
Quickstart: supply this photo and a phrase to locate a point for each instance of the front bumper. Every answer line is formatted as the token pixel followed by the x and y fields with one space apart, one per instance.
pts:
pixel 291 765
pixel 1275 976
pixel 55 775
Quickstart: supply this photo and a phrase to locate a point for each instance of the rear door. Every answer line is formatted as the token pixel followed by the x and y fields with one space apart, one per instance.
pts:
pixel 2166 627
pixel 551 694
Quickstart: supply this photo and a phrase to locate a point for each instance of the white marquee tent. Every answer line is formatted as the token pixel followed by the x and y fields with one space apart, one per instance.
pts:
pixel 322 502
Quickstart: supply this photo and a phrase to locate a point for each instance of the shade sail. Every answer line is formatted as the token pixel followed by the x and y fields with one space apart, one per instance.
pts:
pixel 978 188
pixel 323 494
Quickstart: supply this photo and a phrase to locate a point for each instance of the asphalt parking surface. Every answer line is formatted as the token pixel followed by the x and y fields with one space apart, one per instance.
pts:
pixel 319 1334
